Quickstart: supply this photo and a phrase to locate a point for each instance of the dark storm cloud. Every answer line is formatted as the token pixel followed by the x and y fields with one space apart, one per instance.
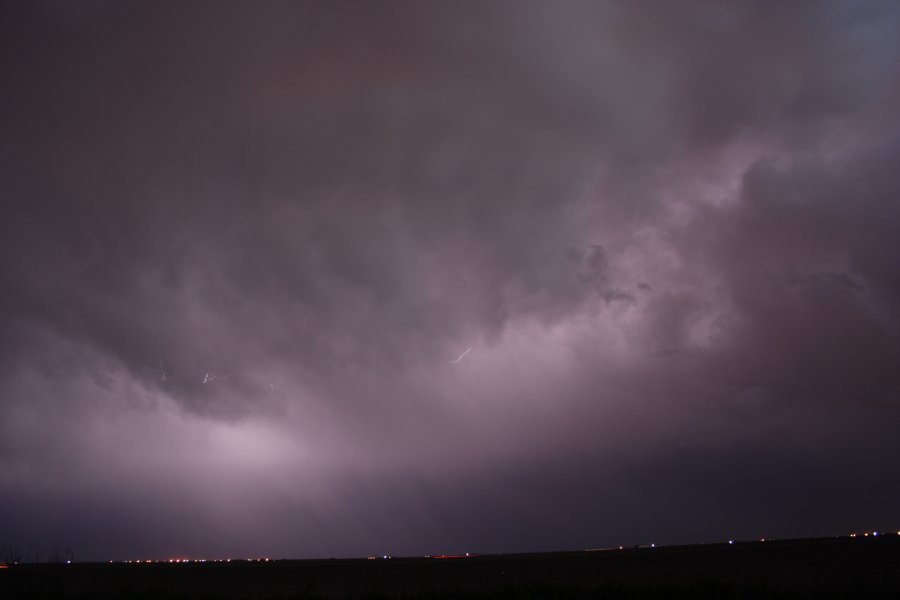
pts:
pixel 245 248
pixel 806 255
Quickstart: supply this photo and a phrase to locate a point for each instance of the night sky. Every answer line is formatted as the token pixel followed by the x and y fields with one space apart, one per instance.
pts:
pixel 311 279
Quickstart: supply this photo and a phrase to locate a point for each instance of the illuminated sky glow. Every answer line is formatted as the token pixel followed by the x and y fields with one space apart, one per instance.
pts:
pixel 305 280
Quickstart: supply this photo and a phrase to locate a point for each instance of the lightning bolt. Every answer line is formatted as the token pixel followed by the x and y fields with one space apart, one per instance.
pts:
pixel 209 377
pixel 462 356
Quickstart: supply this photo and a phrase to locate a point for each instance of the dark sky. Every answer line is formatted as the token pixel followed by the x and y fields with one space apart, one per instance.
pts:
pixel 311 279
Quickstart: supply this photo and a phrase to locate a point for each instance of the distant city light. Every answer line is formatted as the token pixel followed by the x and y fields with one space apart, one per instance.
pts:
pixel 429 556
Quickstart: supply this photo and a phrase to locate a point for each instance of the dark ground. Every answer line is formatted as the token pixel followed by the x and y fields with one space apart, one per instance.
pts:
pixel 820 568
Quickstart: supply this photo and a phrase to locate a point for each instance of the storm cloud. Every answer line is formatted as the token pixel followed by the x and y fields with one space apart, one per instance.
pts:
pixel 243 250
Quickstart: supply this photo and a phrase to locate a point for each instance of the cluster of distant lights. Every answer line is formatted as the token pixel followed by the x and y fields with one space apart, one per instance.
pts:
pixel 732 542
pixel 441 556
pixel 150 561
pixel 388 556
pixel 873 534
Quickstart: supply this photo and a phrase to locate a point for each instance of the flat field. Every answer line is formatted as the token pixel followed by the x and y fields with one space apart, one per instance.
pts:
pixel 816 568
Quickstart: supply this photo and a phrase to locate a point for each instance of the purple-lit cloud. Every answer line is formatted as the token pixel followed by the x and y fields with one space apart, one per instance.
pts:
pixel 306 280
